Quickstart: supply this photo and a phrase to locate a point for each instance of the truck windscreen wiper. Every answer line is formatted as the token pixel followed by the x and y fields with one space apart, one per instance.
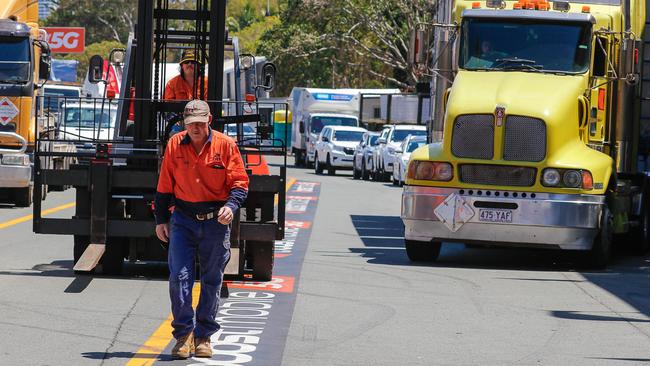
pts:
pixel 515 63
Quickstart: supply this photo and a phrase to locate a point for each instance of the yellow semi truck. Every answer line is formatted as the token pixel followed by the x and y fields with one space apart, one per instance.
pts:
pixel 540 131
pixel 23 61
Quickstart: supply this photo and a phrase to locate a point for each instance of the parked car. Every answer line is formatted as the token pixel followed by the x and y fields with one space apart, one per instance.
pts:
pixel 249 134
pixel 389 144
pixel 409 145
pixel 335 148
pixel 374 160
pixel 362 160
pixel 86 123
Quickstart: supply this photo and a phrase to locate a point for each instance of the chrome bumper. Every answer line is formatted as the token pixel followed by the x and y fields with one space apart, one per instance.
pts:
pixel 545 220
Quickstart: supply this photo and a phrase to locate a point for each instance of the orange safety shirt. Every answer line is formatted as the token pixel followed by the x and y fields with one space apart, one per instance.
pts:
pixel 203 182
pixel 178 89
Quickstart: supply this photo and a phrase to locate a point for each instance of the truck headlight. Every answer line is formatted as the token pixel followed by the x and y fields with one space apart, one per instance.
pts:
pixel 568 178
pixel 429 170
pixel 337 148
pixel 15 159
pixel 572 179
pixel 391 150
pixel 551 177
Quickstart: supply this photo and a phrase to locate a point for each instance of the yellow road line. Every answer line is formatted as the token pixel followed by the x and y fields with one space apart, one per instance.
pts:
pixel 29 217
pixel 148 353
pixel 153 347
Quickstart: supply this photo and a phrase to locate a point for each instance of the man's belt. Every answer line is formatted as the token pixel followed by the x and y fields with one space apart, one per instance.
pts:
pixel 206 216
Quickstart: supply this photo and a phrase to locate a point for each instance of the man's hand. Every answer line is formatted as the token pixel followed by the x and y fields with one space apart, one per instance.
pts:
pixel 225 215
pixel 162 232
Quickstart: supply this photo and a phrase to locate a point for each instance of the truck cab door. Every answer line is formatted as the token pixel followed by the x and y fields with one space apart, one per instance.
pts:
pixel 600 96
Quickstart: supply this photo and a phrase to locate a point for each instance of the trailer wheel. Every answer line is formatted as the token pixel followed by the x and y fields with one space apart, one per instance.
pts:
pixel 600 253
pixel 23 196
pixel 261 254
pixel 422 251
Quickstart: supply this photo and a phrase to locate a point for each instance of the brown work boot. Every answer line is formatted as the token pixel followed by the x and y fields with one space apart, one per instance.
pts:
pixel 203 348
pixel 184 347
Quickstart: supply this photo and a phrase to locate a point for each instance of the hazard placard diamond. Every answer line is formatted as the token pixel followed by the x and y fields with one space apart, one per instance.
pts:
pixel 7 111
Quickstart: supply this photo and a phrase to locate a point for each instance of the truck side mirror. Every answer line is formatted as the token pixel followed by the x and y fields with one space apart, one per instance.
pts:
pixel 45 62
pixel 419 46
pixel 325 139
pixel 95 69
pixel 269 70
pixel 381 141
pixel 301 127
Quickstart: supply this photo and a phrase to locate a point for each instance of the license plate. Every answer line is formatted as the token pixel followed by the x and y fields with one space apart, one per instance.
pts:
pixel 494 215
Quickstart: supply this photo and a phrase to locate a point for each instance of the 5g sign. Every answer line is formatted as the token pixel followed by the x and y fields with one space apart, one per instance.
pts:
pixel 66 39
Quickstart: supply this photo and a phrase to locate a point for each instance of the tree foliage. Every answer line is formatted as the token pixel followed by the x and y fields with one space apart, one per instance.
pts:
pixel 345 43
pixel 104 20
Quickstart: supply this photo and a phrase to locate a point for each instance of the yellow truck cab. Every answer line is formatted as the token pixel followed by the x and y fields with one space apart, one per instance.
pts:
pixel 23 61
pixel 540 130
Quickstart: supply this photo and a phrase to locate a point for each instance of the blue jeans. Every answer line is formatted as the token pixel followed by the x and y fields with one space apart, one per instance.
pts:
pixel 210 239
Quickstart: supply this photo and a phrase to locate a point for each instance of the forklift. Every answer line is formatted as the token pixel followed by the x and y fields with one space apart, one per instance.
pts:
pixel 116 177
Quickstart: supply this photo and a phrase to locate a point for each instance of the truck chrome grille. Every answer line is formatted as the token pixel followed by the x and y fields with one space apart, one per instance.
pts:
pixel 497 175
pixel 524 139
pixel 348 150
pixel 473 136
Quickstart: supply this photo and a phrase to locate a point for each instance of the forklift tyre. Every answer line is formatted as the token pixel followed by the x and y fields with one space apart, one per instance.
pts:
pixel 261 255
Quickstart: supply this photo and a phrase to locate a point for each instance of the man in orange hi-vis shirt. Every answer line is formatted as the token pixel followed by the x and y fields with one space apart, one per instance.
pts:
pixel 203 173
pixel 186 85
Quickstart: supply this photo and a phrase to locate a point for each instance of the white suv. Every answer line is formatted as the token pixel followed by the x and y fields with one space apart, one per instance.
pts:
pixel 335 146
pixel 388 146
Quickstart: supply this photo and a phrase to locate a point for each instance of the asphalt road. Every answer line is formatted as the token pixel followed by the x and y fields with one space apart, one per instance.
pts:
pixel 346 294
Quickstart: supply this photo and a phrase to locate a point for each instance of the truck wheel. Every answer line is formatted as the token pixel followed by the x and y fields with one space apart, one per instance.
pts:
pixel 641 237
pixel 261 254
pixel 330 169
pixel 422 251
pixel 298 160
pixel 600 253
pixel 318 167
pixel 23 196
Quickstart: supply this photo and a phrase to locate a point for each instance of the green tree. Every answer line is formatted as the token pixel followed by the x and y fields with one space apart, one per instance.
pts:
pixel 103 19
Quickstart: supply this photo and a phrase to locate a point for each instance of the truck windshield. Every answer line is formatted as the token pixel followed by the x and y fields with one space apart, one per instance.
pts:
pixel 499 44
pixel 88 117
pixel 317 123
pixel 348 135
pixel 14 60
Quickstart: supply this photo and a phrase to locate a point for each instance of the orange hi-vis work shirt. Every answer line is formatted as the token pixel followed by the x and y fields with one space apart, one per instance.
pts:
pixel 204 182
pixel 178 89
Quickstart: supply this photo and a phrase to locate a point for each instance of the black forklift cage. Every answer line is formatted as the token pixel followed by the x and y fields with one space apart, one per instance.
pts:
pixel 125 167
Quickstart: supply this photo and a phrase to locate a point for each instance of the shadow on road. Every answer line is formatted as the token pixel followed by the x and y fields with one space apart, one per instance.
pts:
pixel 626 277
pixel 126 355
